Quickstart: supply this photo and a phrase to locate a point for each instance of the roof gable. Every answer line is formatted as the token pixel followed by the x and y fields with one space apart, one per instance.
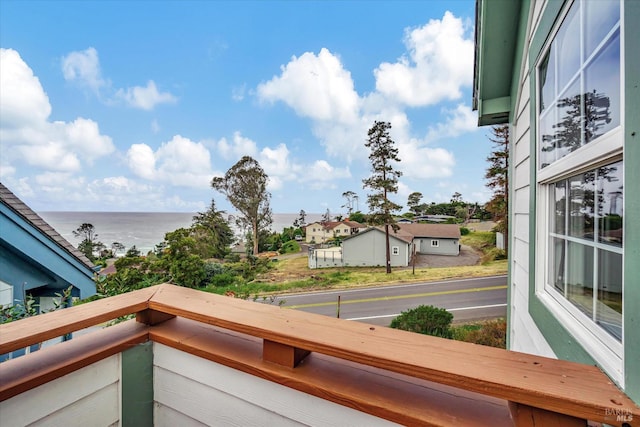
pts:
pixel 19 207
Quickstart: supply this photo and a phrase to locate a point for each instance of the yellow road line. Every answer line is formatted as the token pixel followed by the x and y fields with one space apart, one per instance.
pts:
pixel 394 297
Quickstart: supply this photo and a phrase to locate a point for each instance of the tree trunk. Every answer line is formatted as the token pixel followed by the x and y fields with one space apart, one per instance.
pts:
pixel 254 225
pixel 386 232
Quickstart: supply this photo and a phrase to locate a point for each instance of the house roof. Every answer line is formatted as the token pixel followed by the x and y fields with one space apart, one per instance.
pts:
pixel 408 232
pixel 333 224
pixel 400 235
pixel 442 231
pixel 20 208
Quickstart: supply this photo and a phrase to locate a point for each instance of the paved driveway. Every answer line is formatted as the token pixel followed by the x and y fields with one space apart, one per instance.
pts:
pixel 467 257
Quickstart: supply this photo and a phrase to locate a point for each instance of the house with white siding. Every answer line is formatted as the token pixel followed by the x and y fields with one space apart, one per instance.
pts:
pixel 565 76
pixel 318 232
pixel 368 247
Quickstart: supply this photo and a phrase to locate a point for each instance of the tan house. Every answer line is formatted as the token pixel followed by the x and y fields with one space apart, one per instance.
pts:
pixel 320 233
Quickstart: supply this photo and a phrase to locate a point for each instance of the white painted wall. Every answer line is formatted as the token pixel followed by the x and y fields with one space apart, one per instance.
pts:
pixel 87 397
pixel 191 391
pixel 524 334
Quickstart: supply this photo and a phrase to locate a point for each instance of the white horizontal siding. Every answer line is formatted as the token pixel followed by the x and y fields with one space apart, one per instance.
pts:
pixel 520 203
pixel 215 394
pixel 91 391
pixel 97 409
pixel 163 416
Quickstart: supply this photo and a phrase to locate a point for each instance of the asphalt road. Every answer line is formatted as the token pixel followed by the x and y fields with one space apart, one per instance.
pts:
pixel 467 299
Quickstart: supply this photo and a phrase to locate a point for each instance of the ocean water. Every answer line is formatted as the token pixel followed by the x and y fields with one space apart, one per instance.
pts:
pixel 142 229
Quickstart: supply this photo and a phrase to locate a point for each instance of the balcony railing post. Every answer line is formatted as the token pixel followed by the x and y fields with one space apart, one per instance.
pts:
pixel 282 354
pixel 152 317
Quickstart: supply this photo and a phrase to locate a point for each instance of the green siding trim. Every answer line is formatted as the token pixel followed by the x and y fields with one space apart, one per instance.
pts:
pixel 631 279
pixel 519 53
pixel 559 339
pixel 137 386
pixel 547 21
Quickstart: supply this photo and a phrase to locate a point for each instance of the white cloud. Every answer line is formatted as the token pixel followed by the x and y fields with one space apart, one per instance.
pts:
pixel 440 62
pixel 145 98
pixel 179 162
pixel 238 92
pixel 419 162
pixel 238 147
pixel 459 120
pixel 23 101
pixel 321 175
pixel 25 130
pixel 314 86
pixel 84 68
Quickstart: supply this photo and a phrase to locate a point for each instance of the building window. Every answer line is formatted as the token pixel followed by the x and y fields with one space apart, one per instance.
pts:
pixel 585 243
pixel 579 81
pixel 395 250
pixel 580 215
pixel 6 294
pixel 435 243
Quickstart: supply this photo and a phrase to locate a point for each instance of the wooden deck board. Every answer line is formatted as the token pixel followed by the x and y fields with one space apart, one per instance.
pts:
pixel 555 385
pixel 36 329
pixel 394 397
pixel 32 370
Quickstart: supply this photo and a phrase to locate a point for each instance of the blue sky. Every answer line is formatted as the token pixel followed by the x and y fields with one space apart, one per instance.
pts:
pixel 135 106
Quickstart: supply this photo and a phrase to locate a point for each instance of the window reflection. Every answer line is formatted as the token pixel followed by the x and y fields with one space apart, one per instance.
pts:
pixel 581 209
pixel 600 17
pixel 609 303
pixel 585 264
pixel 547 80
pixel 602 101
pixel 568 40
pixel 560 202
pixel 580 276
pixel 580 98
pixel 610 204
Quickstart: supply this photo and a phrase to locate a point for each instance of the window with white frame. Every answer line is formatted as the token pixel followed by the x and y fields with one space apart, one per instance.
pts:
pixel 395 250
pixel 435 243
pixel 580 167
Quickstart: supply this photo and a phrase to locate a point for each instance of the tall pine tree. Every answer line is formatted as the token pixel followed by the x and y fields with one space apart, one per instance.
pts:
pixel 497 176
pixel 383 180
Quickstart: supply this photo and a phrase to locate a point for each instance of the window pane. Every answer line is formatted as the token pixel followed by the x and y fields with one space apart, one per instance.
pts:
pixel 548 137
pixel 568 42
pixel 547 75
pixel 610 204
pixel 600 17
pixel 609 304
pixel 580 276
pixel 581 188
pixel 557 271
pixel 569 127
pixel 602 97
pixel 559 204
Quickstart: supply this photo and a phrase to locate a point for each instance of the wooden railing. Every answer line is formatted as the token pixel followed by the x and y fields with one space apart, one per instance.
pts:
pixel 428 375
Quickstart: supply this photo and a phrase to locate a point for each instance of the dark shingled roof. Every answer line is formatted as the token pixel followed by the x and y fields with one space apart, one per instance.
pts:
pixel 15 204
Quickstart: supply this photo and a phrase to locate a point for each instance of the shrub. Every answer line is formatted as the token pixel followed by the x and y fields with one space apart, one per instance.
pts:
pixel 492 333
pixel 464 231
pixel 224 279
pixel 425 319
pixel 290 247
pixel 493 254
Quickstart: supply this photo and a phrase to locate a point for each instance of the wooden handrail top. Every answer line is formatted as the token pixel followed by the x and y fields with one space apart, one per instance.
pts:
pixel 37 329
pixel 570 388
